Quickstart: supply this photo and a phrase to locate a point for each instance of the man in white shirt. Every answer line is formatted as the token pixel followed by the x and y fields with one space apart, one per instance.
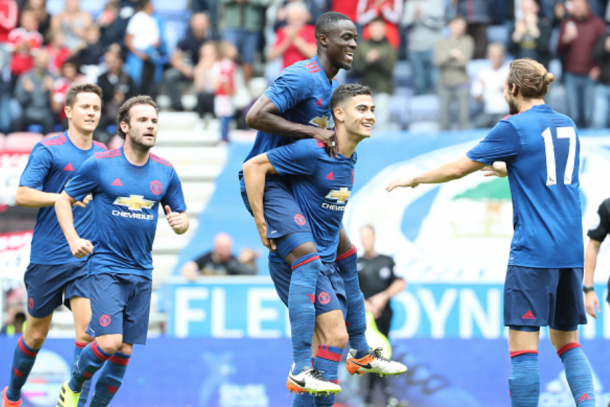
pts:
pixel 488 87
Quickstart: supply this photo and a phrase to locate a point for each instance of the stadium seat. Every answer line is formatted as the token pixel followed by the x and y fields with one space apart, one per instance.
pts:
pixel 403 76
pixel 497 34
pixel 424 108
pixel 21 142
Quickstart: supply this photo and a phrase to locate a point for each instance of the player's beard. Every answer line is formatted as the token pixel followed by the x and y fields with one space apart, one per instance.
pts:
pixel 138 142
pixel 512 106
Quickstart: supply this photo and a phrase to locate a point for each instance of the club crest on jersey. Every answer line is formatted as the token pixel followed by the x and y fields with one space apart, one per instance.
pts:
pixel 134 203
pixel 321 122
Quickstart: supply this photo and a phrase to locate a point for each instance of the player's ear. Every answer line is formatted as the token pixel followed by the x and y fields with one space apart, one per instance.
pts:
pixel 323 40
pixel 124 126
pixel 513 89
pixel 339 114
pixel 68 111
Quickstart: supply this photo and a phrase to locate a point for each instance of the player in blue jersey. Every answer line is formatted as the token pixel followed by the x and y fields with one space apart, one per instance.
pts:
pixel 539 149
pixel 297 105
pixel 128 185
pixel 321 186
pixel 54 276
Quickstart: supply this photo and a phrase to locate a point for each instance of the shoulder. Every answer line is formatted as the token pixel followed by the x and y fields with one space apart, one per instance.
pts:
pixel 58 140
pixel 108 154
pixel 305 69
pixel 161 161
pixel 100 145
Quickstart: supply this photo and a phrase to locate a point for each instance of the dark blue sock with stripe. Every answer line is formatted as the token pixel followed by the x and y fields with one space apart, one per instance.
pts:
pixel 91 359
pixel 578 374
pixel 78 348
pixel 301 310
pixel 23 361
pixel 356 319
pixel 524 382
pixel 110 379
pixel 327 362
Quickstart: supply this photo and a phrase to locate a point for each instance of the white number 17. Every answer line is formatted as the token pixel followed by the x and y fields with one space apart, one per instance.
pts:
pixel 549 148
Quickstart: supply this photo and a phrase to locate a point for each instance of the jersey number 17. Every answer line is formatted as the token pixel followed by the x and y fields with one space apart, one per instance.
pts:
pixel 549 149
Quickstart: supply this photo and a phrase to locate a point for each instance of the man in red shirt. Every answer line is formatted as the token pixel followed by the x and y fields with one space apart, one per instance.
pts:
pixel 24 42
pixel 9 12
pixel 296 41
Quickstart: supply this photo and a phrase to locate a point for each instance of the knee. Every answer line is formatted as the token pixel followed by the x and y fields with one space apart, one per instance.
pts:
pixel 109 345
pixel 36 336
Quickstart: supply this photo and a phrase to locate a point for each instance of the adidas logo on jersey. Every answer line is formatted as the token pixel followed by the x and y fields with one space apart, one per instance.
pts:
pixel 69 167
pixel 117 183
pixel 330 176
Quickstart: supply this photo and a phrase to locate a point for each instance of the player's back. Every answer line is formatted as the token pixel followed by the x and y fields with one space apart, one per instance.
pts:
pixel 544 184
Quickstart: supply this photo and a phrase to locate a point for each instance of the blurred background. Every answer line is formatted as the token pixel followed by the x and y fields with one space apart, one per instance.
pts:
pixel 219 335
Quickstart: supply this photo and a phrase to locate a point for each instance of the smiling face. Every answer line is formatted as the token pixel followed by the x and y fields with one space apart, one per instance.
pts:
pixel 142 128
pixel 357 114
pixel 85 114
pixel 341 44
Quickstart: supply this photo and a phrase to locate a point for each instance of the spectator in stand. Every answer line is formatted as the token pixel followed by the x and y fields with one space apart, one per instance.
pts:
pixel 73 22
pixel 223 75
pixel 221 261
pixel 476 13
pixel 24 42
pixel 143 40
pixel 57 51
pixel 185 58
pixel 347 7
pixel 209 8
pixel 204 79
pixel 92 50
pixel 426 19
pixel 33 91
pixel 389 10
pixel 244 23
pixel 531 36
pixel 5 93
pixel 9 17
pixel 601 106
pixel 69 75
pixel 578 36
pixel 488 87
pixel 451 55
pixel 117 86
pixel 374 62
pixel 39 7
pixel 297 40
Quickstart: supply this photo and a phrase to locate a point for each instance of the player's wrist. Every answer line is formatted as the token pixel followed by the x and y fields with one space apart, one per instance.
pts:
pixel 588 289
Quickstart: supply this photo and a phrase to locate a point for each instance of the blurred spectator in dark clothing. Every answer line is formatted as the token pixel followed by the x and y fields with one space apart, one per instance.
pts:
pixel 33 92
pixel 578 36
pixel 297 40
pixel 488 88
pixel 58 53
pixel 244 23
pixel 531 36
pixel 185 58
pixel 23 43
pixel 73 22
pixel 426 20
pixel 375 60
pixel 389 10
pixel 39 7
pixel 204 78
pixel 16 327
pixel 69 75
pixel 209 7
pixel 451 55
pixel 9 17
pixel 113 22
pixel 378 284
pixel 476 13
pixel 117 86
pixel 93 50
pixel 5 93
pixel 221 261
pixel 601 106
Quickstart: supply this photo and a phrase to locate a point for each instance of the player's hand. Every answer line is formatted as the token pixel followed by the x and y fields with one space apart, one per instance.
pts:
pixel 498 169
pixel 261 225
pixel 80 247
pixel 592 303
pixel 84 202
pixel 402 182
pixel 174 219
pixel 328 137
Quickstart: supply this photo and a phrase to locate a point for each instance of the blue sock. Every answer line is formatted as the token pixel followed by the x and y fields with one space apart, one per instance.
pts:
pixel 301 296
pixel 91 359
pixel 78 348
pixel 110 379
pixel 578 374
pixel 524 382
pixel 355 320
pixel 327 362
pixel 23 361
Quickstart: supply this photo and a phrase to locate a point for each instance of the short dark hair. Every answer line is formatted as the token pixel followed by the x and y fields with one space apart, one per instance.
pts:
pixel 345 92
pixel 327 21
pixel 74 90
pixel 124 111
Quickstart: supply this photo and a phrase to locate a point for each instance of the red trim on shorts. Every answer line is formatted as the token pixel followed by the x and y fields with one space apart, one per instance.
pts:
pixel 567 347
pixel 304 262
pixel 522 352
pixel 348 253
pixel 25 349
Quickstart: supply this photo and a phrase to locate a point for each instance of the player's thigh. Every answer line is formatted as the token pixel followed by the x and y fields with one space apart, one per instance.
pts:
pixel 295 246
pixel 45 288
pixel 345 244
pixel 282 213
pixel 137 310
pixel 559 338
pixel 569 301
pixel 519 340
pixel 331 308
pixel 108 296
pixel 81 311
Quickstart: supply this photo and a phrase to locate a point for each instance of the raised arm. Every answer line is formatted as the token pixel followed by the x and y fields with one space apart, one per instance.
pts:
pixel 63 208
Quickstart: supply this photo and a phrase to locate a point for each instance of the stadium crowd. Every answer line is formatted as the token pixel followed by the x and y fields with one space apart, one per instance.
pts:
pixel 457 50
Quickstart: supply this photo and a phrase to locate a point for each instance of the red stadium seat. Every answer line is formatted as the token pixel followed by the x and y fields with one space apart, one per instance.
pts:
pixel 21 142
pixel 2 140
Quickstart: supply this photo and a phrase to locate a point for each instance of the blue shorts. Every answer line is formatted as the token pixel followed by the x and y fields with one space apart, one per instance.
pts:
pixel 246 42
pixel 120 304
pixel 330 289
pixel 48 285
pixel 535 297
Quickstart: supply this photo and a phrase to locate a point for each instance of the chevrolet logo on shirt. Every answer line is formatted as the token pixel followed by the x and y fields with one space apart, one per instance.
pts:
pixel 342 195
pixel 134 202
pixel 321 122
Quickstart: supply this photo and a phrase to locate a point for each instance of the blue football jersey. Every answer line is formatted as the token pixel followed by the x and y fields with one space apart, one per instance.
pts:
pixel 302 95
pixel 126 200
pixel 51 165
pixel 322 187
pixel 541 149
